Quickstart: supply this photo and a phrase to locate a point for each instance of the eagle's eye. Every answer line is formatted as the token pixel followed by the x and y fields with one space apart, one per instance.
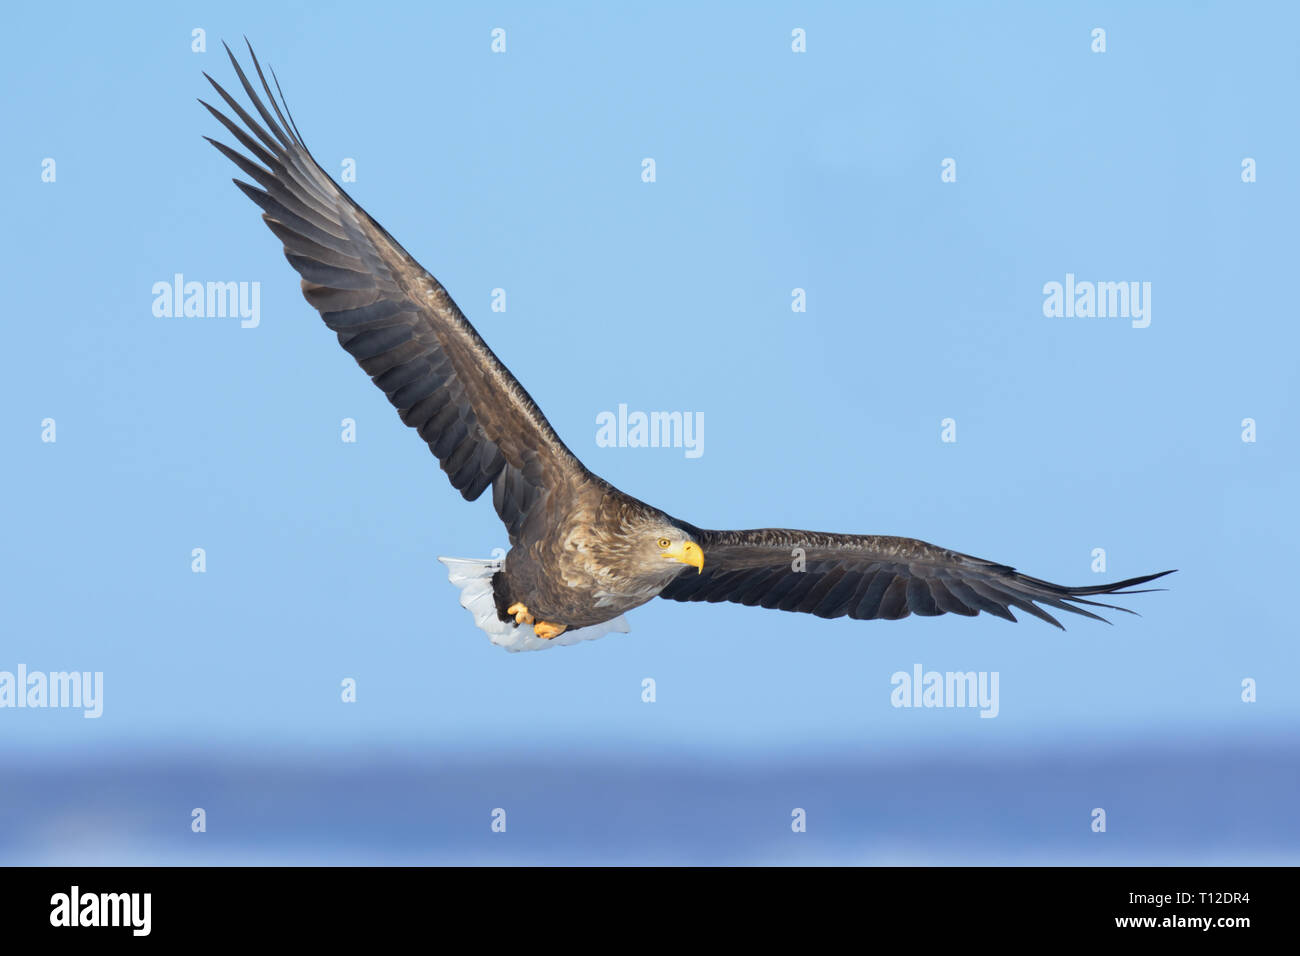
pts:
pixel 664 543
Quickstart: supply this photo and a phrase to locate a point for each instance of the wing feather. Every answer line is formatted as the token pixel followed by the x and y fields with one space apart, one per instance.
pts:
pixel 873 576
pixel 393 317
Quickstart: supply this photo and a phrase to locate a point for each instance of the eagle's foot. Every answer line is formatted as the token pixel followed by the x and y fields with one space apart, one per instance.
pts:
pixel 546 630
pixel 521 613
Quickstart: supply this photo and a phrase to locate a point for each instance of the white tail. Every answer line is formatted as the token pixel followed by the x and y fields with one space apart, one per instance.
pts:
pixel 473 578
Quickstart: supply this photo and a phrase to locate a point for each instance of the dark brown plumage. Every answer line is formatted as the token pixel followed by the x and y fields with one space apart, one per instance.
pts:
pixel 872 576
pixel 582 552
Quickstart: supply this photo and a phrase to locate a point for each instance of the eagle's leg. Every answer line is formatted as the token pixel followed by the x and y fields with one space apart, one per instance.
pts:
pixel 542 629
pixel 521 613
pixel 546 630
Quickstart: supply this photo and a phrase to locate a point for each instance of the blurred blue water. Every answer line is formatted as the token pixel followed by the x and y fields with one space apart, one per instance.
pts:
pixel 1223 802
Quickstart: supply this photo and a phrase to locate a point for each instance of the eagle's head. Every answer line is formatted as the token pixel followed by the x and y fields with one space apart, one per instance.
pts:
pixel 659 548
pixel 679 547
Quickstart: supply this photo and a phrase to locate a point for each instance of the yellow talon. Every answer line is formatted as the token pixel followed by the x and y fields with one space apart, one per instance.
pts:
pixel 542 629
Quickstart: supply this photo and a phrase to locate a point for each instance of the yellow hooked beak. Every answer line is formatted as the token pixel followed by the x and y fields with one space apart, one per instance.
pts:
pixel 687 553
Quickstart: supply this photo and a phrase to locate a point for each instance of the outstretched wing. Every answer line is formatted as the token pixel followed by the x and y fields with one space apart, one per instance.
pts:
pixel 395 319
pixel 871 576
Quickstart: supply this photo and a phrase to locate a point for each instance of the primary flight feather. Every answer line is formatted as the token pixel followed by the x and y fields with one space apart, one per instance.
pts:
pixel 582 552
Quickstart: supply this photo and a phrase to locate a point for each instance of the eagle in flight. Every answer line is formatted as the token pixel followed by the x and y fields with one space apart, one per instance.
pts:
pixel 581 551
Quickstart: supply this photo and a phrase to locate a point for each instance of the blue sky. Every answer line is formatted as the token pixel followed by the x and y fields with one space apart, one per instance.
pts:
pixel 774 171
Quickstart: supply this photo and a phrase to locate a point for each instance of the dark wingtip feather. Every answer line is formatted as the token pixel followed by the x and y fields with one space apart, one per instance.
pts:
pixel 288 112
pixel 1122 587
pixel 1070 597
pixel 266 87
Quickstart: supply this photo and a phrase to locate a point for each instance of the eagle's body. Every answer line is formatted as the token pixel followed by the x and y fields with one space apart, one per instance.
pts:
pixel 582 552
pixel 579 566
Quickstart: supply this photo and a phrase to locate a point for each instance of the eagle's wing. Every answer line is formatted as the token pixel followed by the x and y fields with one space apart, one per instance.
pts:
pixel 871 576
pixel 395 319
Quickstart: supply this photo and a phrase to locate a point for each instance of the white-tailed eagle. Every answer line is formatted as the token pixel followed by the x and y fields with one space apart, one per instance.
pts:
pixel 582 552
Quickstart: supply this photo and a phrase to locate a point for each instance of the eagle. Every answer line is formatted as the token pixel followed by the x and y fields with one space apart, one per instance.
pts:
pixel 582 552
